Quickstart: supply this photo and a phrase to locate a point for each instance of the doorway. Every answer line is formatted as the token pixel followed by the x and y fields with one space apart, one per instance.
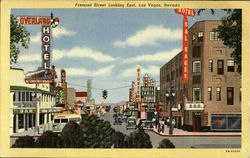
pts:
pixel 196 122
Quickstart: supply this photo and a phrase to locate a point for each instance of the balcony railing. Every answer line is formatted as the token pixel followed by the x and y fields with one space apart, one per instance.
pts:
pixel 24 103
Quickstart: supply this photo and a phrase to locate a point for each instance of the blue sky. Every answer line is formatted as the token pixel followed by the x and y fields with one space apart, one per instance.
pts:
pixel 107 45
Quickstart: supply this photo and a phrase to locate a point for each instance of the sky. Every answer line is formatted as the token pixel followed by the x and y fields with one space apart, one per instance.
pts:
pixel 107 45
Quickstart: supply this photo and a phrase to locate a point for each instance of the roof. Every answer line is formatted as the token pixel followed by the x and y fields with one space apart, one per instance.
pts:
pixel 81 94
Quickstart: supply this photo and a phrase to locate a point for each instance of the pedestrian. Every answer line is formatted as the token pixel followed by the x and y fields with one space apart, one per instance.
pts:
pixel 173 123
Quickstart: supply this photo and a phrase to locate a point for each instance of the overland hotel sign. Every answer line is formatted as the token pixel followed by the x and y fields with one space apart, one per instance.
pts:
pixel 46 23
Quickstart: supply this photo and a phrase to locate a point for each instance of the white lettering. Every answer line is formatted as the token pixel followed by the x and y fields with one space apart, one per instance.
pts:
pixel 46 29
pixel 46 56
pixel 46 39
pixel 46 47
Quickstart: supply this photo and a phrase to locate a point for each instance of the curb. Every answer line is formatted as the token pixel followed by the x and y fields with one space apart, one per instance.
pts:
pixel 192 135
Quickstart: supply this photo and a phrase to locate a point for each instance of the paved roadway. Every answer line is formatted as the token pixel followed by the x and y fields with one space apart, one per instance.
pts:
pixel 182 142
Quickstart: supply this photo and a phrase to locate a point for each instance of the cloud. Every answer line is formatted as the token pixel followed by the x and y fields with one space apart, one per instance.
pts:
pixel 150 36
pixel 106 71
pixel 30 58
pixel 78 52
pixel 163 56
pixel 61 31
pixel 152 70
pixel 57 33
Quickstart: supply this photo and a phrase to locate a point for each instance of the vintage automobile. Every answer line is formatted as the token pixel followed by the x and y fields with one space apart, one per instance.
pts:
pixel 131 123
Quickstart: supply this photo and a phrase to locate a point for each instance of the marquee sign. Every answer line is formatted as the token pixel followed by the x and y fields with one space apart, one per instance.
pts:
pixel 186 12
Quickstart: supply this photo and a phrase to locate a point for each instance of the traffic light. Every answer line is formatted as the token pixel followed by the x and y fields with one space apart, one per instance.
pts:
pixel 104 94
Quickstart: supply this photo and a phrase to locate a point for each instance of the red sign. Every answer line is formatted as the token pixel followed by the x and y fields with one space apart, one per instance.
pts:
pixel 34 20
pixel 63 76
pixel 138 85
pixel 186 12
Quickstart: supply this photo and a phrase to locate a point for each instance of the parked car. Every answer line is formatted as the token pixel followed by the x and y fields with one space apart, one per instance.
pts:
pixel 117 121
pixel 131 123
pixel 147 125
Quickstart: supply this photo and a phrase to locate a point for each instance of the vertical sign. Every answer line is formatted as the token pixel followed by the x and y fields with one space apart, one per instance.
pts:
pixel 64 88
pixel 46 46
pixel 186 12
pixel 138 85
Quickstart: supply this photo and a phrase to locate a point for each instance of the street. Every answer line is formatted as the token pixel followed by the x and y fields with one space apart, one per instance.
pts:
pixel 182 142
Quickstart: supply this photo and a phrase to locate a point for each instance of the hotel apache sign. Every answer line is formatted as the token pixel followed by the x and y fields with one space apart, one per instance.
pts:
pixel 186 12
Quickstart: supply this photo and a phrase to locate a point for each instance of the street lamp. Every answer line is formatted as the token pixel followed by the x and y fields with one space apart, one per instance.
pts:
pixel 170 97
pixel 36 95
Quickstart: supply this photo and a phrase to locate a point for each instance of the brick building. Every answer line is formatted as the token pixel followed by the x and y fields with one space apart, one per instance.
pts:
pixel 213 90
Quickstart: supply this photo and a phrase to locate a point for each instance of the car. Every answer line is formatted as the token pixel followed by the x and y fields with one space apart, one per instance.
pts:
pixel 147 125
pixel 131 123
pixel 117 121
pixel 124 118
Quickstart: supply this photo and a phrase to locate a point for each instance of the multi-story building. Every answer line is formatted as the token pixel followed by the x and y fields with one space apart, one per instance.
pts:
pixel 81 97
pixel 71 96
pixel 213 91
pixel 24 99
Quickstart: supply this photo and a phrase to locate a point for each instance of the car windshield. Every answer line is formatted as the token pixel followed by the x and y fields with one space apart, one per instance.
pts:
pixel 57 121
pixel 64 120
pixel 131 123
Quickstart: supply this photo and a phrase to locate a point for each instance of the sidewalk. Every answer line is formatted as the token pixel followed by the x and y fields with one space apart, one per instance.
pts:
pixel 180 133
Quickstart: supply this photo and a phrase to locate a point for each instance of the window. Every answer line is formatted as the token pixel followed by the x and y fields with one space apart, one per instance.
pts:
pixel 196 94
pixel 14 97
pixel 41 119
pixel 23 96
pixel 200 36
pixel 196 66
pixel 196 52
pixel 230 65
pixel 20 121
pixel 193 38
pixel 210 65
pixel 19 96
pixel 230 95
pixel 168 77
pixel 218 94
pixel 209 93
pixel 180 72
pixel 172 75
pixel 240 94
pixel 197 79
pixel 27 96
pixel 47 117
pixel 220 67
pixel 214 35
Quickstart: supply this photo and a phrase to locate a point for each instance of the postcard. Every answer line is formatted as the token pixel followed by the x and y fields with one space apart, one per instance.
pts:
pixel 124 78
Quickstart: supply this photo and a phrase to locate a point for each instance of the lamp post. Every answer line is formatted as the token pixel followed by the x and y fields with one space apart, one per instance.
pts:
pixel 170 97
pixel 37 98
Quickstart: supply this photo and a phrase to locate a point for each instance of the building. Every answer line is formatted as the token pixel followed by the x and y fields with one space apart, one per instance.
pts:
pixel 212 96
pixel 24 99
pixel 81 97
pixel 71 96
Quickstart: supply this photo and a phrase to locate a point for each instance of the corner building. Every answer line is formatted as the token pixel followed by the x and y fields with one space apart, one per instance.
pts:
pixel 213 90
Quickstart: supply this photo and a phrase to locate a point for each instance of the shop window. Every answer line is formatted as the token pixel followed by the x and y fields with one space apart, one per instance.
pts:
pixel 220 67
pixel 214 35
pixel 200 36
pixel 209 93
pixel 218 94
pixel 41 119
pixel 230 65
pixel 196 94
pixel 196 52
pixel 20 121
pixel 210 65
pixel 196 66
pixel 230 95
